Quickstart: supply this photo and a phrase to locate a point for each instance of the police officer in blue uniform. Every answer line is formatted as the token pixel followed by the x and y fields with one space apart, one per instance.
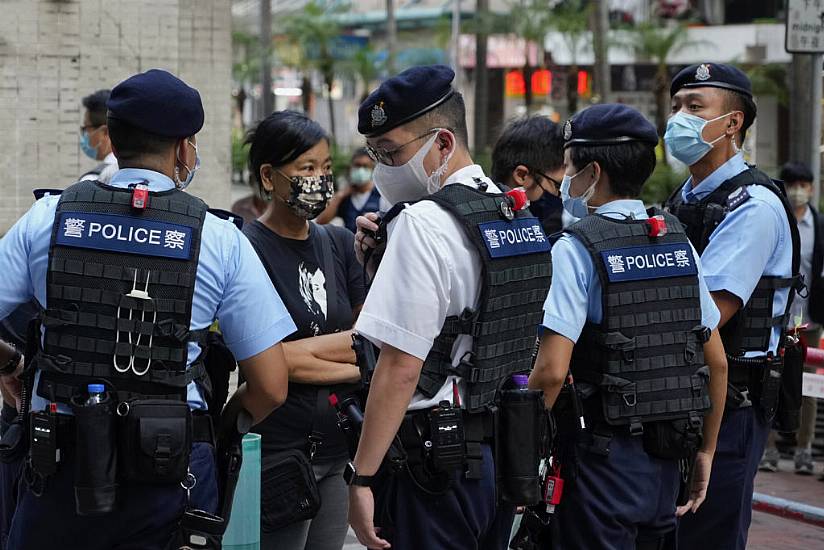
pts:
pixel 630 319
pixel 742 225
pixel 131 275
pixel 453 307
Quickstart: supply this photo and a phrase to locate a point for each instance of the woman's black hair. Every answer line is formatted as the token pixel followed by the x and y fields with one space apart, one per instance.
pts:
pixel 280 138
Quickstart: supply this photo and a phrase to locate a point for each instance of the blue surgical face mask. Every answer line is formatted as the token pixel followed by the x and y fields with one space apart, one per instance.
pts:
pixel 684 137
pixel 183 184
pixel 85 145
pixel 576 206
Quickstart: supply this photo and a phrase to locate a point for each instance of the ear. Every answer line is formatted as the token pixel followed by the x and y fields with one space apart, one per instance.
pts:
pixel 596 171
pixel 735 124
pixel 519 175
pixel 267 176
pixel 446 143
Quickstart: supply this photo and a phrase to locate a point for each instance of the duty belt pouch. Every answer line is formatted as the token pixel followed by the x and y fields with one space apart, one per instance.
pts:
pixel 155 440
pixel 788 414
pixel 198 530
pixel 673 439
pixel 770 388
pixel 95 465
pixel 288 490
pixel 519 433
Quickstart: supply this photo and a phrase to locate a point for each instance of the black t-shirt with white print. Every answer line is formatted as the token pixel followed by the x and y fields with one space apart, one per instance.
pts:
pixel 298 275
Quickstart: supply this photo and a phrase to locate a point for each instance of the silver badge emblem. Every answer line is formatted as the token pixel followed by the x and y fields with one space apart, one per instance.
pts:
pixel 378 115
pixel 703 72
pixel 568 130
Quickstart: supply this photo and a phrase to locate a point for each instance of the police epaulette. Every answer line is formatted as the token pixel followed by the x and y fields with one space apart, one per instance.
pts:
pixel 226 215
pixel 737 198
pixel 40 193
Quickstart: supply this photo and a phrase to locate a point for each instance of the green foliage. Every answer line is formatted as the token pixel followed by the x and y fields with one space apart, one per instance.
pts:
pixel 662 183
pixel 340 160
pixel 571 20
pixel 240 151
pixel 770 79
pixel 656 42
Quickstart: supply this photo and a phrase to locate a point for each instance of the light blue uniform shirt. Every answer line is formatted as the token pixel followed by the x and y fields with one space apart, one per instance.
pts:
pixel 231 284
pixel 753 240
pixel 575 293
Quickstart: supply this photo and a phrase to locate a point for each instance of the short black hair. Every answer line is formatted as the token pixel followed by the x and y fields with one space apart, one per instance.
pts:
pixel 280 138
pixel 450 114
pixel 132 143
pixel 628 164
pixel 534 141
pixel 796 171
pixel 96 105
pixel 734 101
pixel 359 152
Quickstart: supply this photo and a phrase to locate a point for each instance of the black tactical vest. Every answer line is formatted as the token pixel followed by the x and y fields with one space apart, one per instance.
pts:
pixel 751 327
pixel 119 293
pixel 646 356
pixel 516 272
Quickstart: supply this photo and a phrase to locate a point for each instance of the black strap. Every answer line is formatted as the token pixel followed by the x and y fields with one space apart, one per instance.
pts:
pixel 323 251
pixel 316 437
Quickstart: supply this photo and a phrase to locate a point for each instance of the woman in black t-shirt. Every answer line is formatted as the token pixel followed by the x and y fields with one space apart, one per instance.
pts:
pixel 315 272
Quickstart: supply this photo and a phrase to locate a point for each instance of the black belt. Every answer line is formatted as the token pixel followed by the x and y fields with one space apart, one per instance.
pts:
pixel 478 427
pixel 202 429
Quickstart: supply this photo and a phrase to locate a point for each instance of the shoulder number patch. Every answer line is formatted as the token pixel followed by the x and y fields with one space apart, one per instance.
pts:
pixel 516 238
pixel 125 234
pixel 655 261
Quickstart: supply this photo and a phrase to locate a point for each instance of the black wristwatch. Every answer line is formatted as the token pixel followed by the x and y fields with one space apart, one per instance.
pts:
pixel 9 368
pixel 351 477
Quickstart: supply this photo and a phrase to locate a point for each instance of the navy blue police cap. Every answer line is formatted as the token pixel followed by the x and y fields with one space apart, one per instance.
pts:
pixel 405 97
pixel 713 75
pixel 608 124
pixel 159 103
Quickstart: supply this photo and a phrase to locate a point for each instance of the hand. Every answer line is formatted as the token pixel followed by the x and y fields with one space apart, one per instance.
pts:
pixel 363 242
pixel 12 388
pixel 362 517
pixel 700 481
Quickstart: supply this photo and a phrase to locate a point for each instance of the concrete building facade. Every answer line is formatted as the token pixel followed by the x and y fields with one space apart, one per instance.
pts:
pixel 54 52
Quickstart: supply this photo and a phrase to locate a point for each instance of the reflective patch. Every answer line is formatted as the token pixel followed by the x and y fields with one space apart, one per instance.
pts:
pixel 125 234
pixel 655 261
pixel 516 238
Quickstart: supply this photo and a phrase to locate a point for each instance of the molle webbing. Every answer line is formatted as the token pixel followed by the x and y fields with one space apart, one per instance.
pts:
pixel 90 322
pixel 504 324
pixel 646 355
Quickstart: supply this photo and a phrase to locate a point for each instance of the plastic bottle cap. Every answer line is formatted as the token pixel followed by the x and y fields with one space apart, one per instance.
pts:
pixel 97 388
pixel 521 380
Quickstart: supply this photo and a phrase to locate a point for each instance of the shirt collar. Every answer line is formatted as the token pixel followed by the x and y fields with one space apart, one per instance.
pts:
pixel 466 173
pixel 622 208
pixel 155 180
pixel 807 218
pixel 726 171
pixel 110 159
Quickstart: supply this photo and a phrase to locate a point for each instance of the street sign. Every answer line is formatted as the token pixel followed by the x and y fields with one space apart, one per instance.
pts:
pixel 805 26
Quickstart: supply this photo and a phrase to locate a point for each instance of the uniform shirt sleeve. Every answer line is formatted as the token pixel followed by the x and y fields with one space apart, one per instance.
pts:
pixel 16 285
pixel 710 316
pixel 407 303
pixel 353 269
pixel 566 305
pixel 740 247
pixel 252 315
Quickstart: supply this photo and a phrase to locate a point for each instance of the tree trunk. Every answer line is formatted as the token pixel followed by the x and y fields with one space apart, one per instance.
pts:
pixel 481 79
pixel 662 105
pixel 267 99
pixel 391 36
pixel 528 71
pixel 572 90
pixel 330 80
pixel 306 94
pixel 600 27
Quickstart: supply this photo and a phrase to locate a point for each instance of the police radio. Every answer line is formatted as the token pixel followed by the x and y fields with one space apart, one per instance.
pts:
pixel 446 444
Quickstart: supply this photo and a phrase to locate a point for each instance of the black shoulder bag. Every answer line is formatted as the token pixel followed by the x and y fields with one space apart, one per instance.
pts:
pixel 289 491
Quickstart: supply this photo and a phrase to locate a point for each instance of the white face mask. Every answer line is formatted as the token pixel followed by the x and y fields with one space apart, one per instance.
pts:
pixel 409 182
pixel 798 195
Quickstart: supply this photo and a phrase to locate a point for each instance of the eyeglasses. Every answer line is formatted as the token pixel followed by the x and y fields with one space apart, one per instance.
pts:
pixel 86 127
pixel 387 157
pixel 552 180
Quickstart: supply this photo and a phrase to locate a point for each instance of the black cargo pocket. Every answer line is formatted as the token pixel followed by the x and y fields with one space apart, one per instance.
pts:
pixel 521 426
pixel 155 441
pixel 95 464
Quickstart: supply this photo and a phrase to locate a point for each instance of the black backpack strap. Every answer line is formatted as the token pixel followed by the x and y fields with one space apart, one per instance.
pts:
pixel 229 216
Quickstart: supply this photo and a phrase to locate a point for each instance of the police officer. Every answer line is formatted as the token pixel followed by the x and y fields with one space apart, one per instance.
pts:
pixel 131 275
pixel 629 318
pixel 743 227
pixel 94 137
pixel 421 310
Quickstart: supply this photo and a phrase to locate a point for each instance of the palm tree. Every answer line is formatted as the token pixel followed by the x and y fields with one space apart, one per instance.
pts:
pixel 314 32
pixel 530 19
pixel 571 20
pixel 657 43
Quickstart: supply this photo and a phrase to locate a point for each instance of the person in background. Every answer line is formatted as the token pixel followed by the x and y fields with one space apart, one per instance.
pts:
pixel 798 180
pixel 530 154
pixel 94 137
pixel 249 207
pixel 359 197
pixel 314 269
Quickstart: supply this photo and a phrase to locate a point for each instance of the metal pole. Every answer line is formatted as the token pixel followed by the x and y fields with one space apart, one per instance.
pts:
pixel 602 83
pixel 391 36
pixel 481 79
pixel 805 115
pixel 456 42
pixel 267 99
pixel 815 126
